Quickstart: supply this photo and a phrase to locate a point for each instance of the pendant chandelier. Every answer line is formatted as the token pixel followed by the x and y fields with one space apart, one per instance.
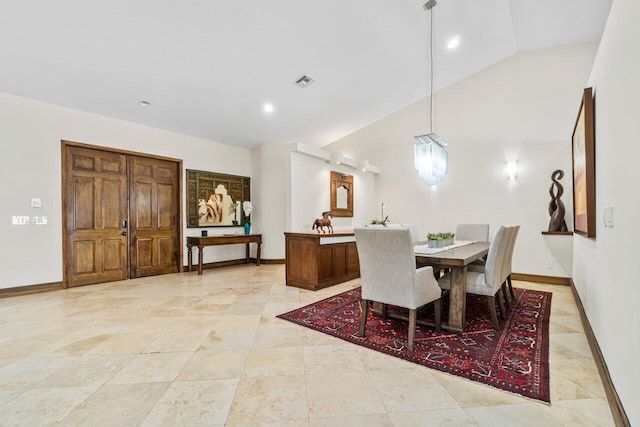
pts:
pixel 430 156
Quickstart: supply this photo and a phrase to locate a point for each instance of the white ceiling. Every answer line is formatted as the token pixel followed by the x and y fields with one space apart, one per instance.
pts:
pixel 208 66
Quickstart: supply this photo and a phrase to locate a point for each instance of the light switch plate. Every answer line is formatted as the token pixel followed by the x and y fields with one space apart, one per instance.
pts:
pixel 36 202
pixel 19 220
pixel 608 216
pixel 39 220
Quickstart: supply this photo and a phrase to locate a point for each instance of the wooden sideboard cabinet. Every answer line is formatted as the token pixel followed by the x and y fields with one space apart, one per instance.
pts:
pixel 315 261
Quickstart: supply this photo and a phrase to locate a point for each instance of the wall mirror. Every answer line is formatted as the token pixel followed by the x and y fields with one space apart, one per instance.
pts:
pixel 341 194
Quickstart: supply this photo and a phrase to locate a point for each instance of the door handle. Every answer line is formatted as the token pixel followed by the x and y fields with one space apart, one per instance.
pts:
pixel 124 223
pixel 124 233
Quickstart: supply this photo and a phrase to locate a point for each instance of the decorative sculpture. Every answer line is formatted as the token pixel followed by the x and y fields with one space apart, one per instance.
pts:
pixel 325 221
pixel 556 207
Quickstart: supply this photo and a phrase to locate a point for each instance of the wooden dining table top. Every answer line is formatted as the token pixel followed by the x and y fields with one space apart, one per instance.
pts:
pixel 458 256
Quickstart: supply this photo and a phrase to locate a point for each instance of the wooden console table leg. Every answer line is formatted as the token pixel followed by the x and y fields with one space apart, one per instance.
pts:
pixel 247 254
pixel 200 249
pixel 190 261
pixel 258 254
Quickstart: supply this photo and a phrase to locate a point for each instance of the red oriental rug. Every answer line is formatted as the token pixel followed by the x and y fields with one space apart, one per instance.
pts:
pixel 514 358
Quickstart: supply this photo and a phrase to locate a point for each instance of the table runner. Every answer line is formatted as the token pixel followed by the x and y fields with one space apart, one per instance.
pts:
pixel 426 250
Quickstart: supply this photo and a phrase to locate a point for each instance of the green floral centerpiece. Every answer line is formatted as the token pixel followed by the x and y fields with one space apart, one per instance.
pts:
pixel 438 240
pixel 384 221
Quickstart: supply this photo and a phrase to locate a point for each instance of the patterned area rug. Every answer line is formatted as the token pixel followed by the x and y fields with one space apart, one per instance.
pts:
pixel 515 358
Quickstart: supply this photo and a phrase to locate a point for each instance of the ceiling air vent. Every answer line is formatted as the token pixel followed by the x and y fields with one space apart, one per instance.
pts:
pixel 303 81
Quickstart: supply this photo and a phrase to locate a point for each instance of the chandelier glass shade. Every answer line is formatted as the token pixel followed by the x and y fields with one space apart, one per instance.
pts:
pixel 430 158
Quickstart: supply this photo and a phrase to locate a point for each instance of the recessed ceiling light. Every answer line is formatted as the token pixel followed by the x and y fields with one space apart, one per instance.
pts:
pixel 454 42
pixel 144 103
pixel 268 108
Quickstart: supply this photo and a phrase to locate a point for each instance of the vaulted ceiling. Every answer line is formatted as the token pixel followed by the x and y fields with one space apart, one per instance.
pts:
pixel 207 67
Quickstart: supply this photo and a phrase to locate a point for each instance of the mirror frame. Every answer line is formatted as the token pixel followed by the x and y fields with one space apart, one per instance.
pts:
pixel 341 180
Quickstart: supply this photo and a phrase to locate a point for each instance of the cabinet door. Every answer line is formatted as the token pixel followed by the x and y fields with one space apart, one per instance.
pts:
pixel 325 263
pixel 353 263
pixel 332 263
pixel 340 261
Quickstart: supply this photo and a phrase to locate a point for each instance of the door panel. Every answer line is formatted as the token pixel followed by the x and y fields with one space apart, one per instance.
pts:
pixel 95 205
pixel 154 204
pixel 143 205
pixel 84 256
pixel 83 197
pixel 165 251
pixel 112 209
pixel 165 214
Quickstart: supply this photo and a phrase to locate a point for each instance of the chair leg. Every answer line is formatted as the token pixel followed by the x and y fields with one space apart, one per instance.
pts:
pixel 364 305
pixel 500 306
pixel 444 297
pixel 412 328
pixel 510 287
pixel 492 310
pixel 504 293
pixel 437 308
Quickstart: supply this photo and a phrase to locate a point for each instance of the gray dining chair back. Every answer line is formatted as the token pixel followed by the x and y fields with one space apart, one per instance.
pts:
pixel 496 258
pixel 388 273
pixel 414 233
pixel 475 232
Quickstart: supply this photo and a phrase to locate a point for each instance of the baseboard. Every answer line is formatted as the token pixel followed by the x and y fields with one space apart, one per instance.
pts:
pixel 617 410
pixel 272 261
pixel 552 280
pixel 30 289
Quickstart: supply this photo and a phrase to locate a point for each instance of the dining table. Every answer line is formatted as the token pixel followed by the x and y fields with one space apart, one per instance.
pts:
pixel 456 259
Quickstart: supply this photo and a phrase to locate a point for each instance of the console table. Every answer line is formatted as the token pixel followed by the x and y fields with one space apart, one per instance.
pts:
pixel 315 261
pixel 201 242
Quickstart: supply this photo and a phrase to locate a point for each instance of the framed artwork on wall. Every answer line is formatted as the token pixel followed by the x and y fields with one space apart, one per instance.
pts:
pixel 341 194
pixel 215 199
pixel 584 174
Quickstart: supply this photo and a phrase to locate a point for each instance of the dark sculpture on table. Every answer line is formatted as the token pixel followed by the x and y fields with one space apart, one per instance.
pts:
pixel 325 221
pixel 556 207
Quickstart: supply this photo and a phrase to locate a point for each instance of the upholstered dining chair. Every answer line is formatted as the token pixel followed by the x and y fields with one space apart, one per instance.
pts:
pixel 475 232
pixel 388 275
pixel 512 233
pixel 488 282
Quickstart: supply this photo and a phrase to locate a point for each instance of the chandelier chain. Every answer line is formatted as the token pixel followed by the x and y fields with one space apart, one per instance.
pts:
pixel 431 73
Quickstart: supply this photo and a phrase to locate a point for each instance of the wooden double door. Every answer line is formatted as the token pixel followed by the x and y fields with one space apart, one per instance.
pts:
pixel 121 215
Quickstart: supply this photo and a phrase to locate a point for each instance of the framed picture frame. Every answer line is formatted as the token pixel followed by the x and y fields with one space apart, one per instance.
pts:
pixel 341 194
pixel 584 178
pixel 215 199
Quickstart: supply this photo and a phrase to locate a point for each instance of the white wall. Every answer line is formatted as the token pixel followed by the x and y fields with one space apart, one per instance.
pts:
pixel 30 135
pixel 522 108
pixel 310 194
pixel 605 268
pixel 269 194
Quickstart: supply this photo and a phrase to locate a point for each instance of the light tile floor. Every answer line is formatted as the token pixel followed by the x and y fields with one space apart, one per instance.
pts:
pixel 207 350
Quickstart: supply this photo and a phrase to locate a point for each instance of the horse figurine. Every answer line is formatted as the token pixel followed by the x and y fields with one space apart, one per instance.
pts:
pixel 325 221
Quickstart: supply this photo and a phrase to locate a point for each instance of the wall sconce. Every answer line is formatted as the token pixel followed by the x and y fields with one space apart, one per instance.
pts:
pixel 512 169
